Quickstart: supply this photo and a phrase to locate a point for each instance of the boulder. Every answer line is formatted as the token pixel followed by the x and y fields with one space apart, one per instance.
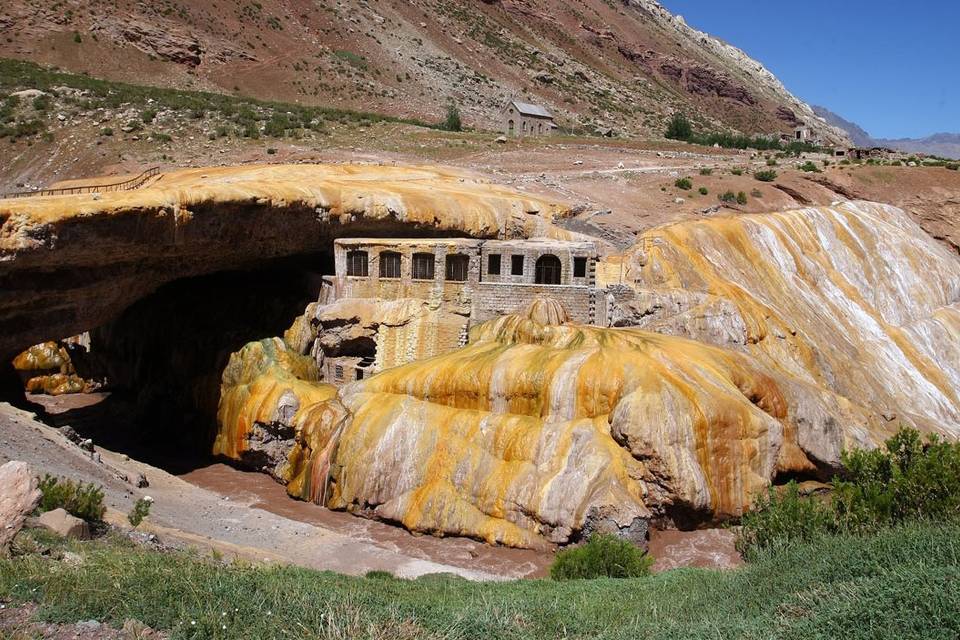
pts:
pixel 64 524
pixel 19 496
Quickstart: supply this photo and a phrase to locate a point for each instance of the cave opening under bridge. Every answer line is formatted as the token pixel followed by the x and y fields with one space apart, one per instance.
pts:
pixel 163 356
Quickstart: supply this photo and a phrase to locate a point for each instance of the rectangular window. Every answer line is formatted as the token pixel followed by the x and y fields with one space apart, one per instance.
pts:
pixel 493 264
pixel 457 267
pixel 579 267
pixel 423 266
pixel 516 265
pixel 389 264
pixel 357 263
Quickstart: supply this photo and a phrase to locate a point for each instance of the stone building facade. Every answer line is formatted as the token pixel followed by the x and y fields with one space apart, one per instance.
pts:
pixel 524 119
pixel 460 282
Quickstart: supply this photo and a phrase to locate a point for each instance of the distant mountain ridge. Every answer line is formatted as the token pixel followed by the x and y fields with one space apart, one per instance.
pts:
pixel 940 144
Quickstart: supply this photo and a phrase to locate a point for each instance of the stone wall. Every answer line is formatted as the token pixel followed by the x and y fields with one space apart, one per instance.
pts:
pixel 493 299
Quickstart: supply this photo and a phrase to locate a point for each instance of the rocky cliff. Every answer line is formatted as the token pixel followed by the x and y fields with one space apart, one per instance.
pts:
pixel 751 349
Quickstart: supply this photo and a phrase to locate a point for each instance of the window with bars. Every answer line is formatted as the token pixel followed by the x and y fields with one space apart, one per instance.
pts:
pixel 357 263
pixel 423 266
pixel 516 265
pixel 548 270
pixel 579 267
pixel 493 264
pixel 457 267
pixel 389 264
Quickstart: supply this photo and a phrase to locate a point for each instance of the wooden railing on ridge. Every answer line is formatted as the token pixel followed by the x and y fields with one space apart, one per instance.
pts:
pixel 126 185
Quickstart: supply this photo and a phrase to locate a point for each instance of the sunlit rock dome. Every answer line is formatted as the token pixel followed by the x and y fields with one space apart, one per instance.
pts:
pixel 545 310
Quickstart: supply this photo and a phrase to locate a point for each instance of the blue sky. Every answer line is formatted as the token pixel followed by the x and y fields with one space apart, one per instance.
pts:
pixel 888 65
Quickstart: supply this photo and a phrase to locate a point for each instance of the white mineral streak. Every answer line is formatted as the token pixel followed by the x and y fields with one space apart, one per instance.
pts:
pixel 854 296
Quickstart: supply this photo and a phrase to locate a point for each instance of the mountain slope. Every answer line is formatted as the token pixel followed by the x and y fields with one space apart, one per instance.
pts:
pixel 857 134
pixel 627 65
pixel 946 145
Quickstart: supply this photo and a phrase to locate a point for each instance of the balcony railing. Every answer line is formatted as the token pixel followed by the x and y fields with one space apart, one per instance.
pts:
pixel 126 185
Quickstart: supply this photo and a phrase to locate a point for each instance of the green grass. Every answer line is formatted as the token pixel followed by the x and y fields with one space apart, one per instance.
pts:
pixel 903 582
pixel 17 74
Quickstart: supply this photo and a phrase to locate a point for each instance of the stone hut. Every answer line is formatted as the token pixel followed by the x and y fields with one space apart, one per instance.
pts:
pixel 524 119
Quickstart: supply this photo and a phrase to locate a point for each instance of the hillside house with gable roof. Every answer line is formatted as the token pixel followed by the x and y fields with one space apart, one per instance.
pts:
pixel 525 119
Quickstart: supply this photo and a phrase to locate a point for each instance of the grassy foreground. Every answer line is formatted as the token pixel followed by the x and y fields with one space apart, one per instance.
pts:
pixel 901 583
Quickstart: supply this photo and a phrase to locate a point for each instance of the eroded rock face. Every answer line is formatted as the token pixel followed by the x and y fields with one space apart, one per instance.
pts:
pixel 853 298
pixel 535 432
pixel 267 392
pixel 778 341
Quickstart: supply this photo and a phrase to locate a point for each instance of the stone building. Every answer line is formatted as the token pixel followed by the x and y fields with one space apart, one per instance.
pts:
pixel 524 119
pixel 408 299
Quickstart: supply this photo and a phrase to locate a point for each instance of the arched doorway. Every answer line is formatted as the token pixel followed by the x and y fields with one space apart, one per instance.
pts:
pixel 548 269
pixel 510 126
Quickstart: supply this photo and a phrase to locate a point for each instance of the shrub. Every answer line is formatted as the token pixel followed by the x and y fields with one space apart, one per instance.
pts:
pixel 79 499
pixel 679 128
pixel 703 191
pixel 953 166
pixel 809 167
pixel 727 196
pixel 906 480
pixel 147 115
pixel 771 162
pixel 706 171
pixel 277 125
pixel 77 38
pixel 106 131
pixel 141 509
pixel 896 163
pixel 782 516
pixel 768 175
pixel 603 556
pixel 271 151
pixel 42 103
pixel 683 183
pixel 756 193
pixel 452 120
pixel 737 172
pixel 741 197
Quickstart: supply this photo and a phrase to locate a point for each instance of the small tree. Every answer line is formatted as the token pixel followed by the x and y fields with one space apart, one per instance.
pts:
pixel 679 128
pixel 452 122
pixel 141 509
pixel 768 175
